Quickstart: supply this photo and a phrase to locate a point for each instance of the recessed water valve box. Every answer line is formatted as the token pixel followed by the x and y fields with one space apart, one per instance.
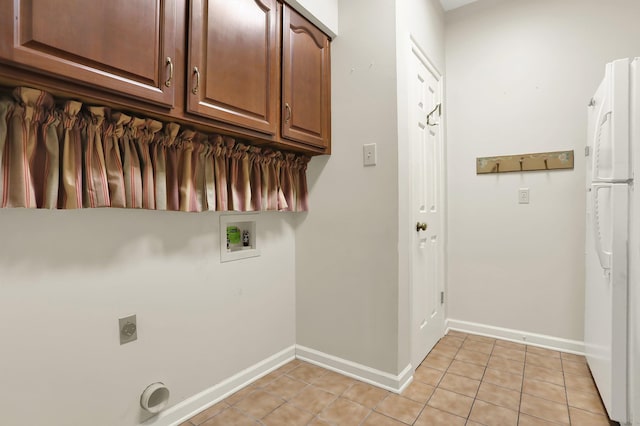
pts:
pixel 238 237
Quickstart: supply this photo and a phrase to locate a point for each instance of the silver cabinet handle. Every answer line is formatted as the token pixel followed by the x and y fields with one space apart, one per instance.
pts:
pixel 197 86
pixel 170 63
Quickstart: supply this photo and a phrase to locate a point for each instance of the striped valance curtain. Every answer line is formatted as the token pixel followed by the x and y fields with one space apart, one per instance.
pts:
pixel 67 155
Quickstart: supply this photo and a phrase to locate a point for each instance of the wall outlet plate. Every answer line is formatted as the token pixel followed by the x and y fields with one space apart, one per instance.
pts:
pixel 523 196
pixel 128 327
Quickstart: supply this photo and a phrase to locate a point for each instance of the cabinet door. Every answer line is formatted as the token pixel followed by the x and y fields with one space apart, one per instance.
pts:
pixel 233 62
pixel 306 104
pixel 119 45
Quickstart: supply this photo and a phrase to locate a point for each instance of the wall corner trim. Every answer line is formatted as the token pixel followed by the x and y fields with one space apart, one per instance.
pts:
pixel 191 406
pixel 518 336
pixel 381 379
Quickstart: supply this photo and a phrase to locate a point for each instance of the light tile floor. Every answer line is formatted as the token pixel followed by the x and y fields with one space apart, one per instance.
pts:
pixel 465 380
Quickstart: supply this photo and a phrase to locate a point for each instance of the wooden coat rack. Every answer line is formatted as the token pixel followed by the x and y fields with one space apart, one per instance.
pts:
pixel 556 160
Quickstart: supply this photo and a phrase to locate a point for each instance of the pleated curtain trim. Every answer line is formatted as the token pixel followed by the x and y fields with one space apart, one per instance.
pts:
pixel 66 155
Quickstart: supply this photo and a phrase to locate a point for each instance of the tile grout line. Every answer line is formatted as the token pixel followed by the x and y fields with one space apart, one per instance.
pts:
pixel 566 392
pixel 308 384
pixel 454 357
pixel 380 402
pixel 540 397
pixel 486 367
pixel 483 372
pixel 480 384
pixel 524 368
pixel 437 384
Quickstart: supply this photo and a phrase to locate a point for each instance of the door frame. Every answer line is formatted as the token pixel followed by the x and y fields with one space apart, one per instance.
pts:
pixel 419 54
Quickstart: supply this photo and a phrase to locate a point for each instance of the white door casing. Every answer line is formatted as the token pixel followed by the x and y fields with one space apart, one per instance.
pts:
pixel 427 205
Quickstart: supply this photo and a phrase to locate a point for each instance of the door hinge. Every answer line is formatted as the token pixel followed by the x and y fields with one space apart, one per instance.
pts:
pixel 442 297
pixel 586 151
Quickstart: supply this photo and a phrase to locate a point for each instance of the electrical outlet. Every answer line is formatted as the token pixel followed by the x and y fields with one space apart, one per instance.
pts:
pixel 523 196
pixel 128 327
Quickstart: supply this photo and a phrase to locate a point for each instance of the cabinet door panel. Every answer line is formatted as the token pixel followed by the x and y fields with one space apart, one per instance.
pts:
pixel 119 45
pixel 233 44
pixel 305 82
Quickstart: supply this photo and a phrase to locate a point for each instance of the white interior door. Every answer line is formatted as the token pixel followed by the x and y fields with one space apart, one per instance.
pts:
pixel 427 196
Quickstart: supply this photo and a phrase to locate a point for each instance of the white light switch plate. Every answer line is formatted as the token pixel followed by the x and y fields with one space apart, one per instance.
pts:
pixel 369 154
pixel 523 196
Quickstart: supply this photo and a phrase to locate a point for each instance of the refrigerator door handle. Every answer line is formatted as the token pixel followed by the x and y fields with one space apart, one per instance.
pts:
pixel 603 256
pixel 601 118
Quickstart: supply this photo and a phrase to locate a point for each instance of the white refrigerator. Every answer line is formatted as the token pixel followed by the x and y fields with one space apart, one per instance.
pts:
pixel 612 256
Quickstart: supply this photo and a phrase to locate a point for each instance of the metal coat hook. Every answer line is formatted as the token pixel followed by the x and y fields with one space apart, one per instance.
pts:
pixel 437 108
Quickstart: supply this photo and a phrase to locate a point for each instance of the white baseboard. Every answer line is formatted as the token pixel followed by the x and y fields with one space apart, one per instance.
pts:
pixel 540 340
pixel 193 405
pixel 390 382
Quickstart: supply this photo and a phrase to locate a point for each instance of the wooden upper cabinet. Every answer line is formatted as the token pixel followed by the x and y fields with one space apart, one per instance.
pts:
pixel 252 68
pixel 121 45
pixel 233 66
pixel 306 104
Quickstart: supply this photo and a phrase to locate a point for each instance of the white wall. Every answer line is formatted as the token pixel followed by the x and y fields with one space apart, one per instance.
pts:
pixel 519 76
pixel 346 246
pixel 67 276
pixel 352 265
